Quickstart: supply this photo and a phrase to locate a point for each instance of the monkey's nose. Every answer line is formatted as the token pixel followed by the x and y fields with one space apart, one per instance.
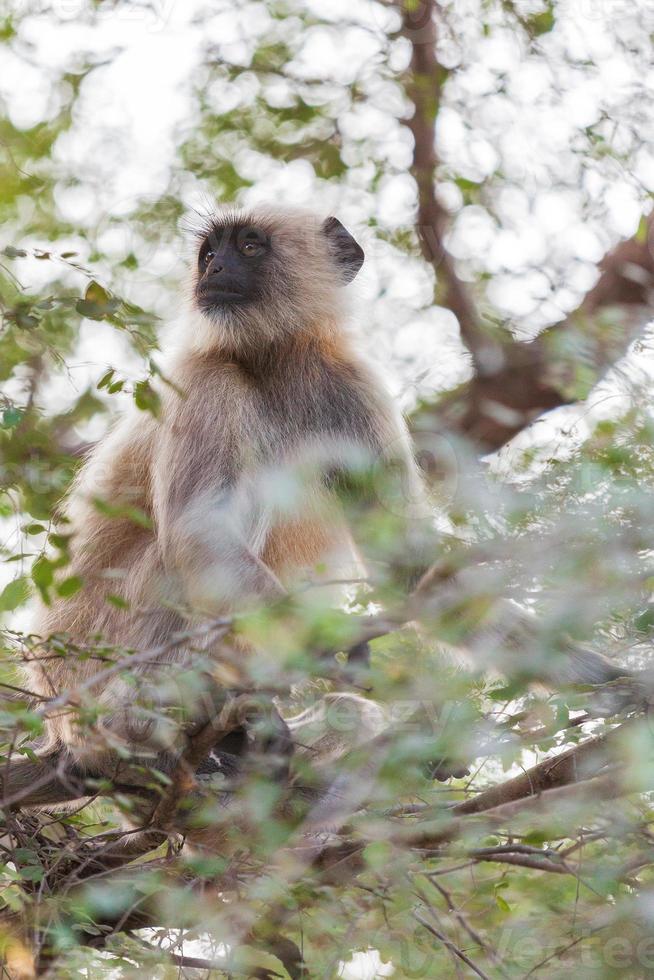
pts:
pixel 215 270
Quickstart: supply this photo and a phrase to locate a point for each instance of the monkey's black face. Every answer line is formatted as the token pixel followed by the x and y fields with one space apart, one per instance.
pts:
pixel 230 265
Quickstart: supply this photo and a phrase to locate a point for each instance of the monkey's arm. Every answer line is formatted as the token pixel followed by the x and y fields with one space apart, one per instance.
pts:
pixel 209 540
pixel 217 563
pixel 389 513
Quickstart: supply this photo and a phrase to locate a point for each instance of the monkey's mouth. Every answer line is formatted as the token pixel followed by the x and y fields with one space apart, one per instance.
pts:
pixel 209 296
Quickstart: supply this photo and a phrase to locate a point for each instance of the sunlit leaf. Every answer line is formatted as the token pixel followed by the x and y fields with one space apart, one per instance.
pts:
pixel 15 594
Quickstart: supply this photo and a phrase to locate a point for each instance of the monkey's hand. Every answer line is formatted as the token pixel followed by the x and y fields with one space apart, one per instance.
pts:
pixel 260 742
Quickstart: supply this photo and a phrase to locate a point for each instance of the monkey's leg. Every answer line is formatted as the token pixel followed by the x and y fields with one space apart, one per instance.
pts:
pixel 358 656
pixel 261 742
pixel 260 747
pixel 136 742
pixel 51 778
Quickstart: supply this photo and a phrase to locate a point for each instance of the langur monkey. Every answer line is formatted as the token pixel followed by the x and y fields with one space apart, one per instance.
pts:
pixel 265 380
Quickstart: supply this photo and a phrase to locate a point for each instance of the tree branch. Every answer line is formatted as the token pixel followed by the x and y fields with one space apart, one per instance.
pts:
pixel 514 381
pixel 423 87
pixel 572 766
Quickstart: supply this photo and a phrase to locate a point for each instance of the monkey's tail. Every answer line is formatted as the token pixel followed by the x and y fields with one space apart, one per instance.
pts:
pixel 46 777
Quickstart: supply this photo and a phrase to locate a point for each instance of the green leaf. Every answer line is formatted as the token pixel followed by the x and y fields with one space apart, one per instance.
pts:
pixel 105 379
pixel 541 23
pixel 122 512
pixel 146 398
pixel 502 903
pixel 97 303
pixel 562 716
pixel 117 601
pixel 69 586
pixel 25 320
pixel 34 528
pixel 59 540
pixel 31 873
pixel 15 594
pixel 42 575
pixel 536 838
pixel 95 293
pixel 11 417
pixel 378 855
pixel 645 621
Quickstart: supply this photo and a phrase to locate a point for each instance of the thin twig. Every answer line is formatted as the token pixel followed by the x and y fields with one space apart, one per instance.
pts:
pixel 450 945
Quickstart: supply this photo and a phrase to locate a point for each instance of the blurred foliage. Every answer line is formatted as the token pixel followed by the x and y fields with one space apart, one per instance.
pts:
pixel 560 528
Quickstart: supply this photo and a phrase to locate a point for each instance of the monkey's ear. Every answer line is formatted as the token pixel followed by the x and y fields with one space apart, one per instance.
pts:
pixel 346 252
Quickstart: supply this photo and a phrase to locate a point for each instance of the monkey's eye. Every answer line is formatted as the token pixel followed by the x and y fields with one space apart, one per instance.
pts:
pixel 208 257
pixel 250 248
